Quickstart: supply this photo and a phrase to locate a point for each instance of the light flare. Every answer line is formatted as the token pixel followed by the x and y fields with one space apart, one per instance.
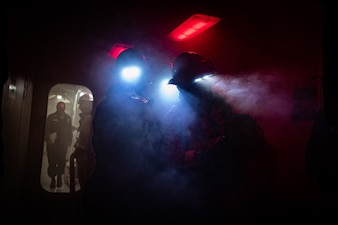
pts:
pixel 131 74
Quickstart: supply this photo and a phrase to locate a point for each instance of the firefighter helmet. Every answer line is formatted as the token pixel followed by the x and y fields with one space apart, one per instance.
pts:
pixel 130 56
pixel 86 98
pixel 187 67
pixel 130 69
pixel 86 103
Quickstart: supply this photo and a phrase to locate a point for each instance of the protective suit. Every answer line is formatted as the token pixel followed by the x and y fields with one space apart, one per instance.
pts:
pixel 117 191
pixel 210 149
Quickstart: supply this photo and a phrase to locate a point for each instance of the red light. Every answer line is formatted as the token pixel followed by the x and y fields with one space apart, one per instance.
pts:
pixel 117 48
pixel 199 25
pixel 193 26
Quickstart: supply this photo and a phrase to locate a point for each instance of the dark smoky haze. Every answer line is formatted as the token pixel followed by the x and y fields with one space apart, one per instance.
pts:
pixel 270 57
pixel 259 95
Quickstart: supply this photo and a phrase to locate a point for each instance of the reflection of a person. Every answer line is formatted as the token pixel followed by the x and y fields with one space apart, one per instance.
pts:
pixel 83 152
pixel 58 136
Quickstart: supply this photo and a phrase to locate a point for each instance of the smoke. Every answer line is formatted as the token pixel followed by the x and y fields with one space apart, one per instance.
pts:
pixel 256 94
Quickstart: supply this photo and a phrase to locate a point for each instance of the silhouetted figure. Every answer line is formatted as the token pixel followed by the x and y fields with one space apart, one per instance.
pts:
pixel 83 153
pixel 58 136
pixel 322 168
pixel 210 153
pixel 117 192
pixel 322 155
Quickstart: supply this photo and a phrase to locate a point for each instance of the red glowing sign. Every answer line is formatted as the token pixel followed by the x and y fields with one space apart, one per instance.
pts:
pixel 193 26
pixel 117 48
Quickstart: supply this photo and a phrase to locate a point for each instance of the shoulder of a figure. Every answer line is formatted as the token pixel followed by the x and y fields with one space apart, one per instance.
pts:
pixel 244 121
pixel 52 114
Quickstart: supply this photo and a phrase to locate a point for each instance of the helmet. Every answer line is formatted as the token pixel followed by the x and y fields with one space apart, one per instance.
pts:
pixel 86 103
pixel 187 67
pixel 128 57
pixel 130 68
pixel 86 98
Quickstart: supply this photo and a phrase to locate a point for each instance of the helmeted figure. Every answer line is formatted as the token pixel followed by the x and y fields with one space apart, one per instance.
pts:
pixel 208 146
pixel 83 152
pixel 116 192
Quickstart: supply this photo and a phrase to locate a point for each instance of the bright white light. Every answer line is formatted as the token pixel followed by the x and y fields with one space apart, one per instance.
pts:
pixel 168 91
pixel 131 74
pixel 198 79
pixel 91 97
pixel 12 87
pixel 205 77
